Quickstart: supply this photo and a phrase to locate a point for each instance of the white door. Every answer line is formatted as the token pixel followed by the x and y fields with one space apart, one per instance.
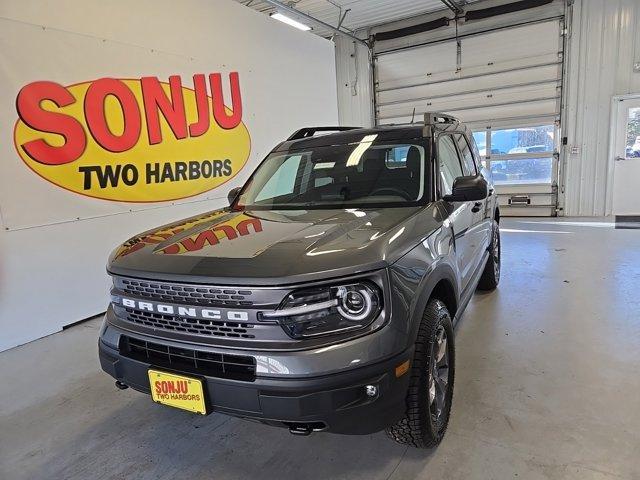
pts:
pixel 626 163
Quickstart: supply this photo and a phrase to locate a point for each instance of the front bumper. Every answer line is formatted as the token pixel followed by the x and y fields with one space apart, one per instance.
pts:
pixel 337 402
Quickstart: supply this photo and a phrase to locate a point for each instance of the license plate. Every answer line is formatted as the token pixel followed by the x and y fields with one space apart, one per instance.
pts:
pixel 177 391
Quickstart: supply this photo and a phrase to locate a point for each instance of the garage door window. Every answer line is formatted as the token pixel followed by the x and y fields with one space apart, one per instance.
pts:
pixel 517 156
pixel 481 141
pixel 522 140
pixel 522 170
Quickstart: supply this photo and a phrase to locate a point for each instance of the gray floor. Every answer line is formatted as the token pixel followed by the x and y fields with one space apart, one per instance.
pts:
pixel 547 387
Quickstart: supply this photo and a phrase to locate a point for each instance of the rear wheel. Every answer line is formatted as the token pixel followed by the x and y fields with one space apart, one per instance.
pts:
pixel 431 384
pixel 491 274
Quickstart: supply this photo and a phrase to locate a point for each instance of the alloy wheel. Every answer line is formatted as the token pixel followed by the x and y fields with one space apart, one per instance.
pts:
pixel 438 375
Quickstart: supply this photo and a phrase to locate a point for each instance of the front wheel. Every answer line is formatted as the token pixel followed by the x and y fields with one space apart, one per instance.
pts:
pixel 431 384
pixel 491 274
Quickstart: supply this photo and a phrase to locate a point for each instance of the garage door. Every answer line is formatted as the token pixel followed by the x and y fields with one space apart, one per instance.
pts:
pixel 506 84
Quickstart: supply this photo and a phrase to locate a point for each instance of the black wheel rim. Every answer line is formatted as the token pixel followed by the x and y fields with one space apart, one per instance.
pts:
pixel 439 375
pixel 495 254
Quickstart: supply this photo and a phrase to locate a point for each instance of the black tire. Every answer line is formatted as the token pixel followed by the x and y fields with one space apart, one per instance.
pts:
pixel 424 424
pixel 491 274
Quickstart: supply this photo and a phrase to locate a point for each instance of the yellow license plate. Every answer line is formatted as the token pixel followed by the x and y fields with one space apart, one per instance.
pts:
pixel 177 391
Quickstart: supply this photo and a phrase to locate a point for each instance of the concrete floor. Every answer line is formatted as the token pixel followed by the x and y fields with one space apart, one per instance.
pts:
pixel 547 387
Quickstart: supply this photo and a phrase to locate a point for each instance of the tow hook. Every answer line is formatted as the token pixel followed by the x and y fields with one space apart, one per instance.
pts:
pixel 121 386
pixel 303 430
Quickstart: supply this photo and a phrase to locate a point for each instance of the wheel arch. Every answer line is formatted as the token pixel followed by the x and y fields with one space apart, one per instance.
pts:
pixel 439 283
pixel 445 292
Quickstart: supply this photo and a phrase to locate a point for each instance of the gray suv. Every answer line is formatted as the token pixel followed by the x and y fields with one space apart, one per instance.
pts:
pixel 324 297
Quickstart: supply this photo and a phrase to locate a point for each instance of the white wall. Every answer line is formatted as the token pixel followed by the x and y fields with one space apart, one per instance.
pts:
pixel 605 43
pixel 52 273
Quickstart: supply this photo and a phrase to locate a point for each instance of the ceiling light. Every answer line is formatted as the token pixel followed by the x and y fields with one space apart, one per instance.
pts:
pixel 290 21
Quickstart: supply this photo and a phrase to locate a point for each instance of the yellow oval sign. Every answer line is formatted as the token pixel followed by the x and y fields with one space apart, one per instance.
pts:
pixel 136 140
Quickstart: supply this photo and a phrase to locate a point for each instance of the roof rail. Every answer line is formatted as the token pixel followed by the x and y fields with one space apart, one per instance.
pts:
pixel 431 118
pixel 311 131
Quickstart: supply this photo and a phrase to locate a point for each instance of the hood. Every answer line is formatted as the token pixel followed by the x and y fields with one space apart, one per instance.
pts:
pixel 257 247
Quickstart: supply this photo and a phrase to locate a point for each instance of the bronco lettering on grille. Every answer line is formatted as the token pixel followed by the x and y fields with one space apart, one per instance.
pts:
pixel 236 316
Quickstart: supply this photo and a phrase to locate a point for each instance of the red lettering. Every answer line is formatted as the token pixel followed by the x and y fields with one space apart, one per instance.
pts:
pixel 243 226
pixel 171 249
pixel 94 112
pixel 228 230
pixel 156 100
pixel 133 248
pixel 219 113
pixel 205 238
pixel 182 386
pixel 158 387
pixel 164 386
pixel 30 111
pixel 202 103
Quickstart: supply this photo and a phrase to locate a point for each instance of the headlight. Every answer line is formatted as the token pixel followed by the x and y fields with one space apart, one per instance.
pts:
pixel 327 310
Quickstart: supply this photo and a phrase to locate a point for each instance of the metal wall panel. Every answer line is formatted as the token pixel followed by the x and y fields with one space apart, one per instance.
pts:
pixel 604 45
pixel 353 69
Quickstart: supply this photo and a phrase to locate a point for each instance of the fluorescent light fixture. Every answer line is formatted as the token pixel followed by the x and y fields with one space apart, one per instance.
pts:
pixel 290 21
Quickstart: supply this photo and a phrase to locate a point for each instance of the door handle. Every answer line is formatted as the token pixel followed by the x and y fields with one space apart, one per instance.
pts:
pixel 491 190
pixel 476 207
pixel 620 159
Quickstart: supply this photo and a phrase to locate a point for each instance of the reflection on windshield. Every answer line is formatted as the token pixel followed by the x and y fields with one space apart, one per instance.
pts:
pixel 343 176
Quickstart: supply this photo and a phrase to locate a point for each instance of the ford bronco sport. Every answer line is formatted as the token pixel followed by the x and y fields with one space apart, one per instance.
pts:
pixel 324 297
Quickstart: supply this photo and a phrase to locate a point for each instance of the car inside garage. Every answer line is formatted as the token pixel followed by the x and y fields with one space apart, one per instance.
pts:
pixel 320 239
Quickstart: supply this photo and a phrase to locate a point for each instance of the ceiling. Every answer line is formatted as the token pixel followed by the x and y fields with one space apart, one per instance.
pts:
pixel 362 13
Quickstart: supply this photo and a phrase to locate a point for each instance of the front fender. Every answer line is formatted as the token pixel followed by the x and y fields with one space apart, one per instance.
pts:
pixel 414 277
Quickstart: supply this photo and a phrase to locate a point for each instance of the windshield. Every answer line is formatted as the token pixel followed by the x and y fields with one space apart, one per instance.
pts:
pixel 363 174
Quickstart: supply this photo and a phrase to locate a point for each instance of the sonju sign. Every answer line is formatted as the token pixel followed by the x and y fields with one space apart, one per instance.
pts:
pixel 133 140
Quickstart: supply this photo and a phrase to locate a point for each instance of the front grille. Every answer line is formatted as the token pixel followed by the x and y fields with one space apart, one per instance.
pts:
pixel 184 293
pixel 220 365
pixel 198 326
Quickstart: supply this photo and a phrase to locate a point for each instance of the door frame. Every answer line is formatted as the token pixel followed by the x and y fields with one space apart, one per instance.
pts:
pixel 616 100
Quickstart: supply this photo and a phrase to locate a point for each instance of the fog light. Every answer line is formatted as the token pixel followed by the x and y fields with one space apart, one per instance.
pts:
pixel 371 390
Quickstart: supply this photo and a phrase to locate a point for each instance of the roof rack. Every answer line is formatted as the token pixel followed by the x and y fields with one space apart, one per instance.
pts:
pixel 311 131
pixel 431 118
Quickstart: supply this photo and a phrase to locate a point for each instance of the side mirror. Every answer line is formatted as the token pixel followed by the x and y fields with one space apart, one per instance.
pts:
pixel 468 189
pixel 231 196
